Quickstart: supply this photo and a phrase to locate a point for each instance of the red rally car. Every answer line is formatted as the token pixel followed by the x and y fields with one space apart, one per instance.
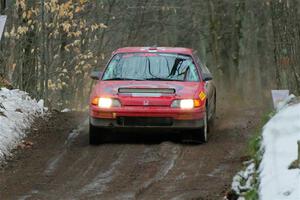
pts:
pixel 153 87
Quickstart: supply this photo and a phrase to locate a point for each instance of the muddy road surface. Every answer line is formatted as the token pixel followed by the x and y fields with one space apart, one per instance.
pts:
pixel 62 165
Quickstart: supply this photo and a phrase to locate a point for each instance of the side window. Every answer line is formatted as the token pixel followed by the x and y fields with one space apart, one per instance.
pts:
pixel 206 70
pixel 197 59
pixel 203 68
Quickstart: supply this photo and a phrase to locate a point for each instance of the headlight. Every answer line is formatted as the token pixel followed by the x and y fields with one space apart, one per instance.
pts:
pixel 106 102
pixel 185 104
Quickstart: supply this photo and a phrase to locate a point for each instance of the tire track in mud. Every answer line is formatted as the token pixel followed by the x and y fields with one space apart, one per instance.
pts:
pixel 142 171
pixel 172 173
pixel 88 180
pixel 165 168
pixel 99 184
pixel 54 162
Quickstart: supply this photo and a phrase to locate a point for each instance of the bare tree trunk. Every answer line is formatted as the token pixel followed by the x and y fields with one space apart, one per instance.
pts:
pixel 43 51
pixel 286 40
pixel 238 34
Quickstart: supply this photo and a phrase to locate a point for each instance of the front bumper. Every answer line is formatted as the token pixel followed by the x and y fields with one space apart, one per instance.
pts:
pixel 147 117
pixel 174 124
pixel 142 111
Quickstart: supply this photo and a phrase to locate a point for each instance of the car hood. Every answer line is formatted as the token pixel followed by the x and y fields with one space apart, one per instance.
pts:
pixel 176 88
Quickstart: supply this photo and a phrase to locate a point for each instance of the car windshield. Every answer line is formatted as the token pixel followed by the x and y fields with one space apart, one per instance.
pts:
pixel 151 66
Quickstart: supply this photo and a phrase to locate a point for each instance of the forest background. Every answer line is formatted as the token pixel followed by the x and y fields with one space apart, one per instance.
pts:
pixel 50 47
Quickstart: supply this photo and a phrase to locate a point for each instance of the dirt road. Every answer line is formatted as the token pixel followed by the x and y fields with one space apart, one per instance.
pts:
pixel 62 165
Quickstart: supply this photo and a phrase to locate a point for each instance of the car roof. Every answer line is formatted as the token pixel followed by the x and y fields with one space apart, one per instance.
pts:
pixel 178 50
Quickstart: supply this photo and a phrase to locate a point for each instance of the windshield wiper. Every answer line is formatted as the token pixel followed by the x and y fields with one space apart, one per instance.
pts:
pixel 161 79
pixel 122 79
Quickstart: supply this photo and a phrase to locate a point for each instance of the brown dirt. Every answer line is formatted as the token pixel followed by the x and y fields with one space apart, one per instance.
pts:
pixel 60 164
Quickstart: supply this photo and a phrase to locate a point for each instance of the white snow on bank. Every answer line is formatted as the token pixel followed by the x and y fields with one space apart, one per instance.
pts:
pixel 66 110
pixel 243 180
pixel 280 136
pixel 17 112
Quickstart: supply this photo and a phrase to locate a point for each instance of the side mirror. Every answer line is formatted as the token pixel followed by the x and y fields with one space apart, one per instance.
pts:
pixel 96 75
pixel 207 77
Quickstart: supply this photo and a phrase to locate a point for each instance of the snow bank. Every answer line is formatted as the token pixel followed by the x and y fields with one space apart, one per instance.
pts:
pixel 243 180
pixel 17 112
pixel 280 136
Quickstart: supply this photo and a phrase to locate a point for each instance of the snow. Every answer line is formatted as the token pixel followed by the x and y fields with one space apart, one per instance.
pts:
pixel 17 112
pixel 66 110
pixel 243 180
pixel 279 144
pixel 285 103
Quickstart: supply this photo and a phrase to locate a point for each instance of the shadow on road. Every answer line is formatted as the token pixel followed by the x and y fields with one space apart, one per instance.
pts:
pixel 144 137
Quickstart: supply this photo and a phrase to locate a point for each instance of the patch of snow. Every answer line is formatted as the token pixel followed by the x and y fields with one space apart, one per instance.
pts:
pixel 243 180
pixel 285 103
pixel 17 112
pixel 41 104
pixel 280 136
pixel 181 177
pixel 66 110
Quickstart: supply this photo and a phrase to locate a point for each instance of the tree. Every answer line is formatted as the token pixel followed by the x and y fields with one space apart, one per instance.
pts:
pixel 286 41
pixel 2 6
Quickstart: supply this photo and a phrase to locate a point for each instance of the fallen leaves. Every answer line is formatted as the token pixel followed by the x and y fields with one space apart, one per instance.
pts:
pixel 25 144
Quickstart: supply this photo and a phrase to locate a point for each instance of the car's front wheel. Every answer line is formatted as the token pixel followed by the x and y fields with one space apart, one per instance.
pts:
pixel 94 135
pixel 199 135
pixel 204 129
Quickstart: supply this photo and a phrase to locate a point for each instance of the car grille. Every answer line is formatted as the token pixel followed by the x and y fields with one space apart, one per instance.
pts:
pixel 147 90
pixel 144 121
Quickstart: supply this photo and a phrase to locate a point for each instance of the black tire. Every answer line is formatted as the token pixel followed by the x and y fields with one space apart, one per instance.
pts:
pixel 198 136
pixel 211 121
pixel 94 135
pixel 204 130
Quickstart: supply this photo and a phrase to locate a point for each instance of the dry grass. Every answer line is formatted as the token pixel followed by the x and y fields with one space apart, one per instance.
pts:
pixel 5 83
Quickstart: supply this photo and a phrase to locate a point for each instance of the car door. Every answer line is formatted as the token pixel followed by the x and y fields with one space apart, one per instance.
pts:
pixel 209 86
